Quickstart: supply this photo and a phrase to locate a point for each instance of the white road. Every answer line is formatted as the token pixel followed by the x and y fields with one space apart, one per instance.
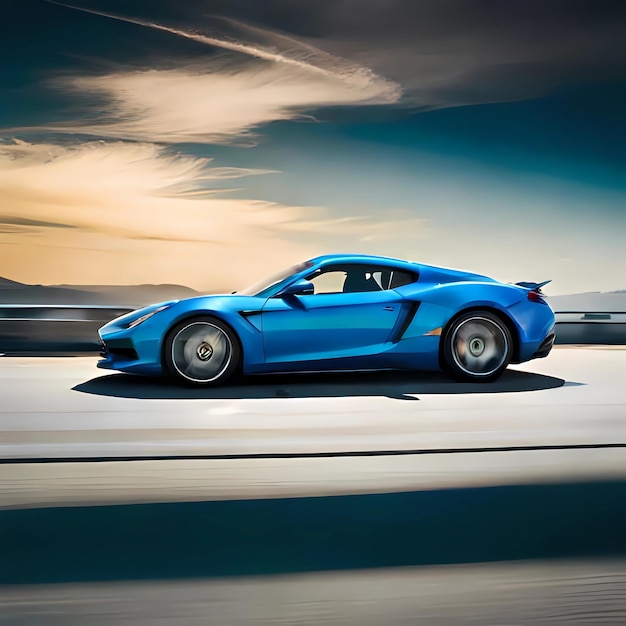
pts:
pixel 54 407
pixel 64 407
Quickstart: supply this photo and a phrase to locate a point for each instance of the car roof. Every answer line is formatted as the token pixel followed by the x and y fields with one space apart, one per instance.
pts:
pixel 363 258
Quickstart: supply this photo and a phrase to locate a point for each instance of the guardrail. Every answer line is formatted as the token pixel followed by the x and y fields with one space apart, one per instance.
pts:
pixel 54 328
pixel 585 327
pixel 74 328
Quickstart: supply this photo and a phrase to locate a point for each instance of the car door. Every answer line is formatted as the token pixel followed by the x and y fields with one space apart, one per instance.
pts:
pixel 329 324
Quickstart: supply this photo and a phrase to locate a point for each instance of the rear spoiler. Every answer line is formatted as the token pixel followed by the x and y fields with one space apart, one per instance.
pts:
pixel 534 291
pixel 534 286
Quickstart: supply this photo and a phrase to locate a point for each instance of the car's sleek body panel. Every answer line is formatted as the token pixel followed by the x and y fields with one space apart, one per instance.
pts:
pixel 399 327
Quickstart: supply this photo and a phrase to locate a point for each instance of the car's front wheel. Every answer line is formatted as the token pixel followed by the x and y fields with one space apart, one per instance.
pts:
pixel 477 347
pixel 201 351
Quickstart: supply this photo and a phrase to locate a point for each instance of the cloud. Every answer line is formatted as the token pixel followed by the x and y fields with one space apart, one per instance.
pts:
pixel 185 105
pixel 298 55
pixel 219 98
pixel 11 220
pixel 452 53
pixel 116 199
pixel 423 55
pixel 131 209
pixel 126 187
pixel 130 227
pixel 157 213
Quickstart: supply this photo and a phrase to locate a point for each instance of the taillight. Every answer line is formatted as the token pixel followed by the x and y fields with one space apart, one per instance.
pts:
pixel 536 296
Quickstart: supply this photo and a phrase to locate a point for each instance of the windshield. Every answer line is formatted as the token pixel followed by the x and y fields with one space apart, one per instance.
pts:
pixel 259 289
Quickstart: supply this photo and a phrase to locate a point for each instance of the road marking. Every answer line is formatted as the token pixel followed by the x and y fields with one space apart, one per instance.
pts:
pixel 303 455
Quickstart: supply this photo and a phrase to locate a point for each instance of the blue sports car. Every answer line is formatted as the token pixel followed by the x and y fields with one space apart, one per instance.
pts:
pixel 338 312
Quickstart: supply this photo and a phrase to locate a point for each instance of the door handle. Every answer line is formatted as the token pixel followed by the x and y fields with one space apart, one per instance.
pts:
pixel 388 308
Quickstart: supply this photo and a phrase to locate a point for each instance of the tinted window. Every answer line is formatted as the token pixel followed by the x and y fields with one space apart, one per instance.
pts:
pixel 357 278
pixel 401 278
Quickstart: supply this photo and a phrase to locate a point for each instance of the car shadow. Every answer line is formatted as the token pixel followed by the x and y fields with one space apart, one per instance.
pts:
pixel 399 385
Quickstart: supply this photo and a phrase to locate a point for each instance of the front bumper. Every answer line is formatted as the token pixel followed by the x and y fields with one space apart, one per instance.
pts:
pixel 125 352
pixel 120 348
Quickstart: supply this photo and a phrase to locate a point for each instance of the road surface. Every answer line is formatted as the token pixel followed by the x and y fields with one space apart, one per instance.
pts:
pixel 435 502
pixel 558 418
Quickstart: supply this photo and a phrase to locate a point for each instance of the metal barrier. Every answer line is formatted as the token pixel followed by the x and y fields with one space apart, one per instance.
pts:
pixel 53 328
pixel 74 328
pixel 580 327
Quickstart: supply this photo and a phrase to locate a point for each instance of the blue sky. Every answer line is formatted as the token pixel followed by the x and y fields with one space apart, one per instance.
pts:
pixel 211 143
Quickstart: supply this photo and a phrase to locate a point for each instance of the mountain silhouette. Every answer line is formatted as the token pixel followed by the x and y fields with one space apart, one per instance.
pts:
pixel 13 292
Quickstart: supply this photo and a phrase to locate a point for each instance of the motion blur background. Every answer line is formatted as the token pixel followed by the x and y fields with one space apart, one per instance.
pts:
pixel 156 150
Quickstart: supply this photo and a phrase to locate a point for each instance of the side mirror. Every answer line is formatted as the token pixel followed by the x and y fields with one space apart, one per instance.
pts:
pixel 301 287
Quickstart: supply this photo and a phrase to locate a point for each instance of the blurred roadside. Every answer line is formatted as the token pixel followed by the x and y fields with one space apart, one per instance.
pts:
pixel 65 319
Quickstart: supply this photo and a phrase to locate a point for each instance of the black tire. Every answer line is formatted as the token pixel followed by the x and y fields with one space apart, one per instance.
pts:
pixel 201 351
pixel 477 347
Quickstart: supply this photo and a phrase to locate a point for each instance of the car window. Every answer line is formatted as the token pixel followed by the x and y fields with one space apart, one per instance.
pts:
pixel 358 278
pixel 400 278
pixel 329 282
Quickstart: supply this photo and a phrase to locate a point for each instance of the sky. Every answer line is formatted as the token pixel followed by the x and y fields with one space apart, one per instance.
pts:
pixel 211 142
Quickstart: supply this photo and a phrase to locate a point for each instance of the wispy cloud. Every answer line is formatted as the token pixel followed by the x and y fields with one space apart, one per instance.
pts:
pixel 442 54
pixel 157 211
pixel 12 220
pixel 222 98
pixel 127 209
pixel 298 55
pixel 189 105
pixel 117 199
pixel 126 187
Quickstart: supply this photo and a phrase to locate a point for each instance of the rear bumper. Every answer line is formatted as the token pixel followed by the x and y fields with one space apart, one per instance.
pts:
pixel 545 347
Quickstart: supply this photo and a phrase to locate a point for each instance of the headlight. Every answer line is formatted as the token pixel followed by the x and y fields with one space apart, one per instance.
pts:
pixel 146 316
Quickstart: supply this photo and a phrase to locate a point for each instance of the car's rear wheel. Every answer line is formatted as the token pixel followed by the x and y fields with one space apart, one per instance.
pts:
pixel 477 347
pixel 202 351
